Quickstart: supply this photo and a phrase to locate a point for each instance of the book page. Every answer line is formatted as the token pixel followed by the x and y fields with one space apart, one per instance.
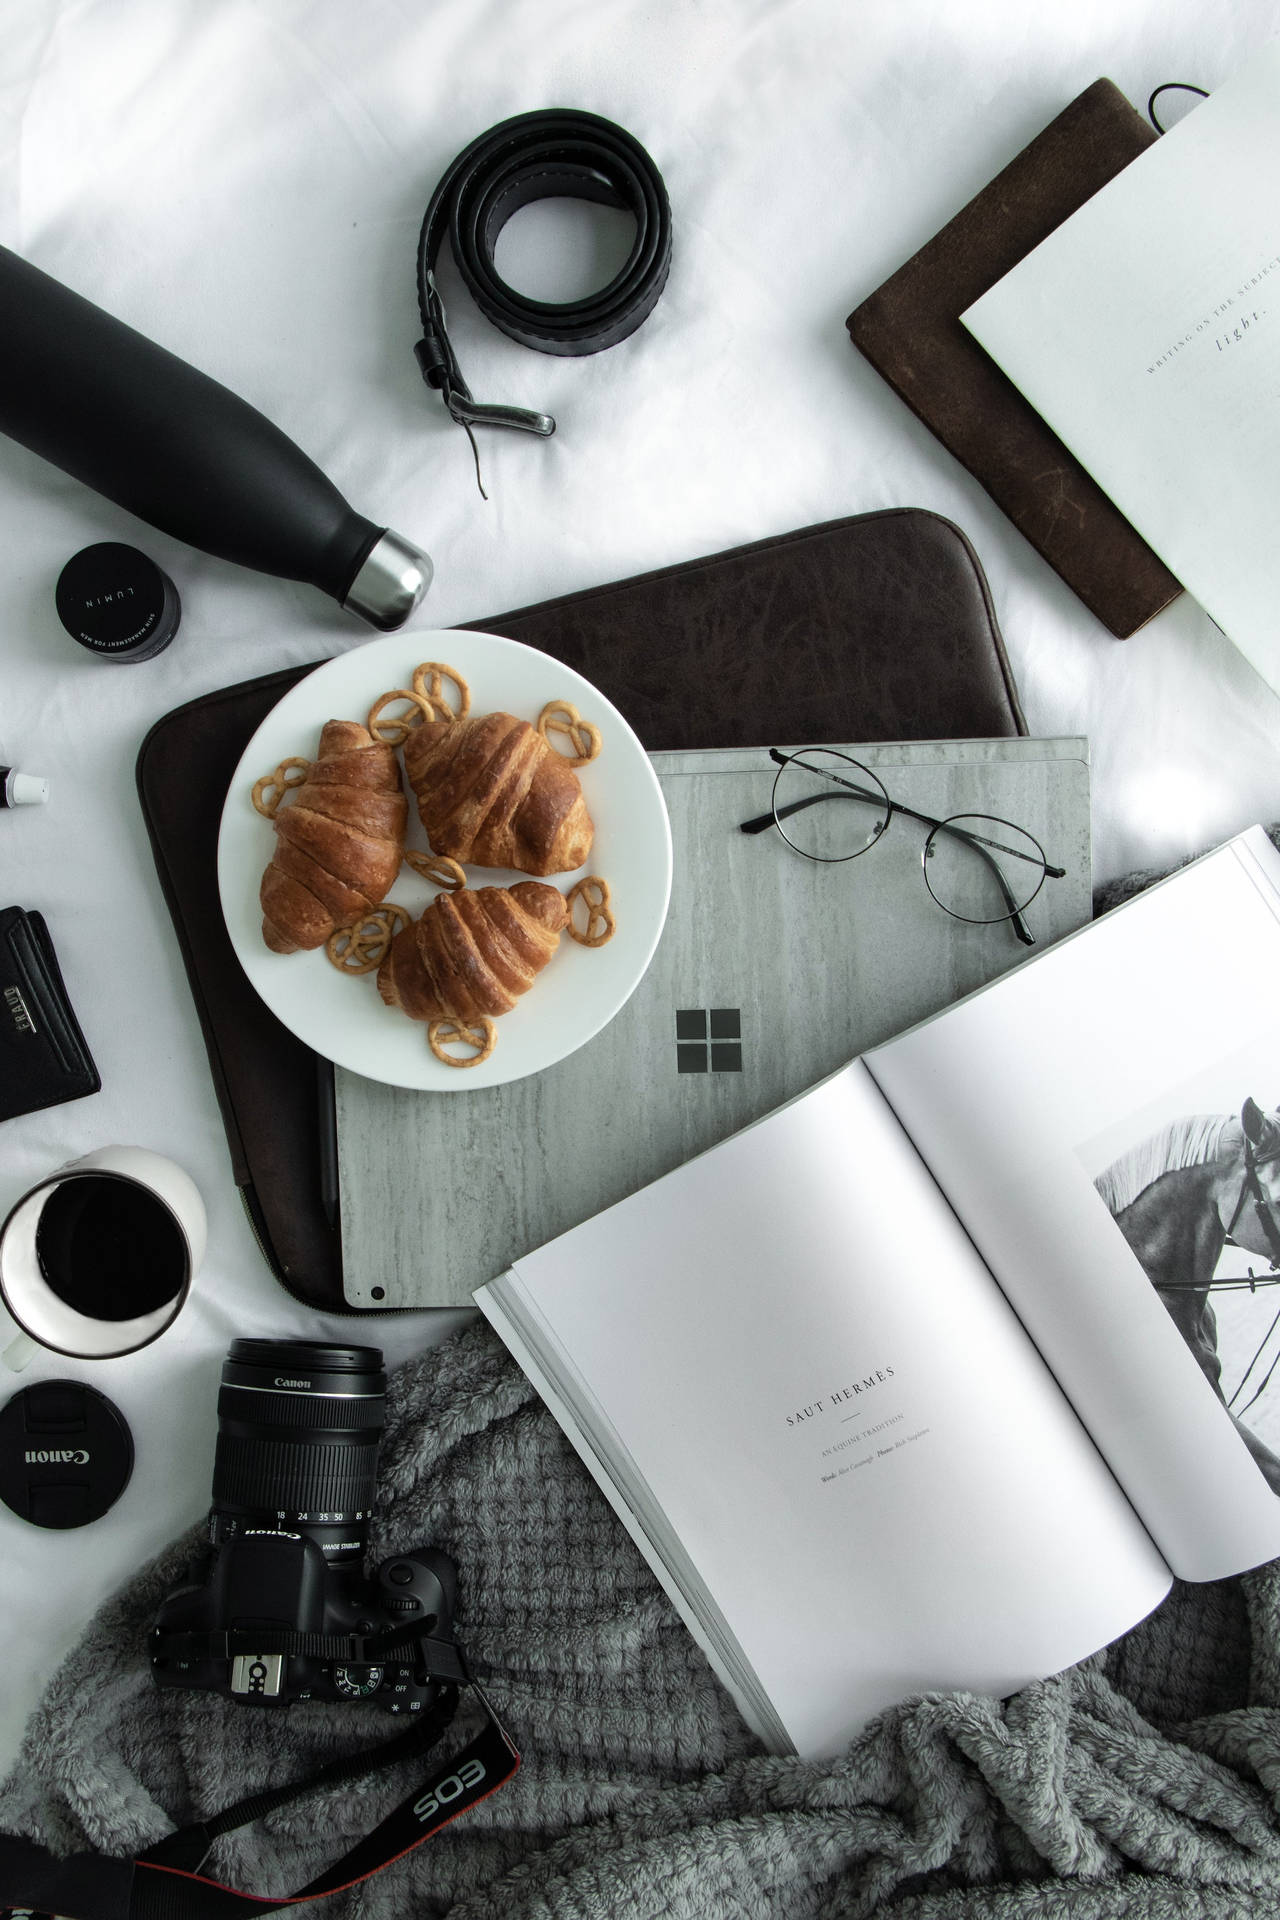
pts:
pixel 1125 1056
pixel 1146 331
pixel 790 1355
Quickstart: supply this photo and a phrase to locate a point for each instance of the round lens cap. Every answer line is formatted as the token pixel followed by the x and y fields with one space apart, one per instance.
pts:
pixel 66 1454
pixel 117 602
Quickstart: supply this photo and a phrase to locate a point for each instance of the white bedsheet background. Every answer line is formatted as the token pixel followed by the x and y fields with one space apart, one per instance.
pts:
pixel 245 182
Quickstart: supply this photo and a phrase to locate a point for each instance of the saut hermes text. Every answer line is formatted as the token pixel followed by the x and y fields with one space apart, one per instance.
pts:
pixel 823 1404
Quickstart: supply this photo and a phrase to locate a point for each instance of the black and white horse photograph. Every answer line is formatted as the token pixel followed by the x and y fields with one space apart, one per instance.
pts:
pixel 1197 1198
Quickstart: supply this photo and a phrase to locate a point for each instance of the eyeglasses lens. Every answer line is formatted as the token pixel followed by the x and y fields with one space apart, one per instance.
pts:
pixel 982 869
pixel 828 806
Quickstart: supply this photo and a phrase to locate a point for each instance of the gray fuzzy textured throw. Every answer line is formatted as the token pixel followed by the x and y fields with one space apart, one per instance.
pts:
pixel 1143 1783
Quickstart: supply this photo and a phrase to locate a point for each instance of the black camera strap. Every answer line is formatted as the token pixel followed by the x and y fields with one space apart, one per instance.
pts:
pixel 165 1883
pixel 442 1659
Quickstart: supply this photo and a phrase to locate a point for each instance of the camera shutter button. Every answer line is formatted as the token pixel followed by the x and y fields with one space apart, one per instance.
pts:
pixel 401 1575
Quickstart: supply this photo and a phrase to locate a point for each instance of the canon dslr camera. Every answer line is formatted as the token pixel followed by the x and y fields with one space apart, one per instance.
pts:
pixel 283 1610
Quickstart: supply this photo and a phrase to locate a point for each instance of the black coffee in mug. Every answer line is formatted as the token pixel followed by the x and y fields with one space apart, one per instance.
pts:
pixel 97 1259
pixel 109 1248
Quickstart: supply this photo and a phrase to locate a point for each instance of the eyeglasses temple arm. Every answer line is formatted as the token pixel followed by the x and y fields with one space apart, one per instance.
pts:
pixel 974 841
pixel 895 806
pixel 761 822
pixel 847 792
pixel 1019 925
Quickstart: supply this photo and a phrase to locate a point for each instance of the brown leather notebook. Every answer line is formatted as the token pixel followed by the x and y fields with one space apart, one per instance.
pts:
pixel 878 627
pixel 910 331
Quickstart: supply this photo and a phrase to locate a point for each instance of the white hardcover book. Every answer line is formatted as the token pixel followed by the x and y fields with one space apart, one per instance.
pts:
pixel 1146 331
pixel 922 1380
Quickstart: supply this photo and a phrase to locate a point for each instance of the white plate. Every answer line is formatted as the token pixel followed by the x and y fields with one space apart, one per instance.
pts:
pixel 343 1017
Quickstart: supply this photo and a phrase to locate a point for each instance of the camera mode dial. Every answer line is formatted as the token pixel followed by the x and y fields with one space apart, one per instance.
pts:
pixel 357 1683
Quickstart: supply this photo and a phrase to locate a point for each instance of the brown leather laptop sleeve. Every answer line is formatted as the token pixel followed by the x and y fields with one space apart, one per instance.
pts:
pixel 878 627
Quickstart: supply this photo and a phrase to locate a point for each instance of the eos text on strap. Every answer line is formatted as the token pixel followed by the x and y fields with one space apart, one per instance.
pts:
pixel 558 153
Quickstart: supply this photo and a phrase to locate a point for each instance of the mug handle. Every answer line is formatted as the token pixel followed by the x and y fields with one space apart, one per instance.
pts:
pixel 19 1353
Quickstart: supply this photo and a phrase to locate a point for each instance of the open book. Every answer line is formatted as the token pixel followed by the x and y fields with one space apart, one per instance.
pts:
pixel 922 1381
pixel 1146 331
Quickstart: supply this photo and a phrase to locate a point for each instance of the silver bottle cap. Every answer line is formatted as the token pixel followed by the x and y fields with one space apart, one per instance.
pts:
pixel 391 582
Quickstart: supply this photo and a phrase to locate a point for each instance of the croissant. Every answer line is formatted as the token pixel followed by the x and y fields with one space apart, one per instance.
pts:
pixel 339 841
pixel 490 790
pixel 473 952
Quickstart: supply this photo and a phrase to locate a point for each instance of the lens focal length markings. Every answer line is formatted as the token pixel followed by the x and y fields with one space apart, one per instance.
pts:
pixel 298 1433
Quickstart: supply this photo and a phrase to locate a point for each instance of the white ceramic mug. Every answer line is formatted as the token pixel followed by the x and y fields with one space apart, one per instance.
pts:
pixel 48 1320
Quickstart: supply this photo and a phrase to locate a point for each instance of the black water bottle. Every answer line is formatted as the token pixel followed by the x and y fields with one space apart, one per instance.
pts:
pixel 143 427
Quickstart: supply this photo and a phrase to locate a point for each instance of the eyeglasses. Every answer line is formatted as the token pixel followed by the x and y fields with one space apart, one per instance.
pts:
pixel 977 867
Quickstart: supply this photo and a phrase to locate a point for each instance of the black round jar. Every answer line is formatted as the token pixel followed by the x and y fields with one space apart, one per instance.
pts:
pixel 117 603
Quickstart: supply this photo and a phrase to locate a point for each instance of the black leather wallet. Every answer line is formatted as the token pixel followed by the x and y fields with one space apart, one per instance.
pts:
pixel 43 1055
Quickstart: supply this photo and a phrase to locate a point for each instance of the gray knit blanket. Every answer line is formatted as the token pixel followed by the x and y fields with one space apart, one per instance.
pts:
pixel 1144 1782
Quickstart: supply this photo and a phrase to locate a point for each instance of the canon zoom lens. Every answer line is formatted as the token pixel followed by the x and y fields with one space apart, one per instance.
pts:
pixel 299 1424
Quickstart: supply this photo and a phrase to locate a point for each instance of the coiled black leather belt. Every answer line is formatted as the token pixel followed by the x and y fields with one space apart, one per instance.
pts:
pixel 556 154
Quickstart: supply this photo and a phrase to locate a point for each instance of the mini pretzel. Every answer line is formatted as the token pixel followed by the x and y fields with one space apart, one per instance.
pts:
pixel 438 868
pixel 395 731
pixel 362 946
pixel 428 683
pixel 593 892
pixel 290 773
pixel 562 717
pixel 481 1034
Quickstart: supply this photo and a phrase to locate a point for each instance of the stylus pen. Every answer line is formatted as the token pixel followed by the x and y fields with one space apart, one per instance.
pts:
pixel 327 1129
